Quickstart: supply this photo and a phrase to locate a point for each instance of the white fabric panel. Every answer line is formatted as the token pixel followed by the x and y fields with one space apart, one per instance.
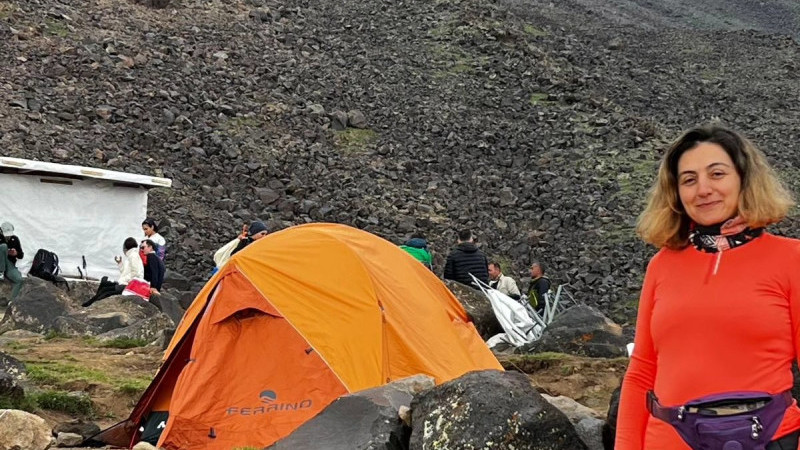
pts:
pixel 88 218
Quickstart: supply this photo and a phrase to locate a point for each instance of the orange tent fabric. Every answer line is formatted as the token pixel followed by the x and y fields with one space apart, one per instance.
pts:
pixel 295 320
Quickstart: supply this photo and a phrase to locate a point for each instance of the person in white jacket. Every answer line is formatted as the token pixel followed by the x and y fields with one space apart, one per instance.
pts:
pixel 502 283
pixel 130 267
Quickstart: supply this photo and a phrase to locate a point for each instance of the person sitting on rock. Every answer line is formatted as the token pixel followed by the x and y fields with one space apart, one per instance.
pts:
pixel 150 229
pixel 466 259
pixel 130 267
pixel 540 285
pixel 10 252
pixel 254 232
pixel 154 269
pixel 502 283
pixel 417 247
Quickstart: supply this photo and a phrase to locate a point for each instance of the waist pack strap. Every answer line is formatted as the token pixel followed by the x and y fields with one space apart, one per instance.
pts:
pixel 670 414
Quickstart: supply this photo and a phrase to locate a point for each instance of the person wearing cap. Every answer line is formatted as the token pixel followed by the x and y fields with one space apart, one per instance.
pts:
pixel 254 232
pixel 10 252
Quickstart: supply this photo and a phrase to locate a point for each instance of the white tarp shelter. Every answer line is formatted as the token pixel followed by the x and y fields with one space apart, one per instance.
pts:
pixel 79 213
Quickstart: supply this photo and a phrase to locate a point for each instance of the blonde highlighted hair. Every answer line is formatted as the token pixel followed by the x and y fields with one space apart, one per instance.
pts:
pixel 762 199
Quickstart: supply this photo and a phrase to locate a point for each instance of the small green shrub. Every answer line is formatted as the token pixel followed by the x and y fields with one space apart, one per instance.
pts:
pixel 63 401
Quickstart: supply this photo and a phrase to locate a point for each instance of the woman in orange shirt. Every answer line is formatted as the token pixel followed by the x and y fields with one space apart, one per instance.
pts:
pixel 719 314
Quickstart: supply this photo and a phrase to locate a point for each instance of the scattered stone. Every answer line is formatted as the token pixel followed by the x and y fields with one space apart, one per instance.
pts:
pixel 68 440
pixel 23 430
pixel 356 119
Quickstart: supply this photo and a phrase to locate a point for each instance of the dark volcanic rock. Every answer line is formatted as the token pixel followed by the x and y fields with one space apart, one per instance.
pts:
pixel 37 307
pixel 582 331
pixel 478 308
pixel 367 419
pixel 482 409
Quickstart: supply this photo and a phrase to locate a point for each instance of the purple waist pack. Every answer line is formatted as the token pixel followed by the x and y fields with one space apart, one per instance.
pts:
pixel 738 420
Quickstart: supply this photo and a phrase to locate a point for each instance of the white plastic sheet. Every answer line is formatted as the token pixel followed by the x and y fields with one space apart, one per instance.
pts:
pixel 519 327
pixel 72 218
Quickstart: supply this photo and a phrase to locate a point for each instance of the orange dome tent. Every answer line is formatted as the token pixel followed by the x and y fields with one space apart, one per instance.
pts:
pixel 295 320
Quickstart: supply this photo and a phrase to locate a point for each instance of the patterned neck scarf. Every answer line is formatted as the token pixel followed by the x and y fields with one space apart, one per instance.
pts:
pixel 718 238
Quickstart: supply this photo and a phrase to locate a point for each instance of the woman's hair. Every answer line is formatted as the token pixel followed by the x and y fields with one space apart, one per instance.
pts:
pixel 151 223
pixel 129 244
pixel 762 198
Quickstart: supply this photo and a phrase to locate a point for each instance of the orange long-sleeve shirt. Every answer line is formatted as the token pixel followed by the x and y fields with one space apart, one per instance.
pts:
pixel 700 333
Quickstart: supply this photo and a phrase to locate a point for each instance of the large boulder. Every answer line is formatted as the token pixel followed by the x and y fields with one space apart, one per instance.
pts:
pixel 367 419
pixel 489 409
pixel 23 430
pixel 583 331
pixel 478 307
pixel 111 313
pixel 148 329
pixel 37 307
pixel 12 373
pixel 175 280
pixel 169 304
pixel 588 423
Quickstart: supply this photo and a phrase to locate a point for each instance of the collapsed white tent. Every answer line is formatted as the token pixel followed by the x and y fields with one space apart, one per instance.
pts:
pixel 79 213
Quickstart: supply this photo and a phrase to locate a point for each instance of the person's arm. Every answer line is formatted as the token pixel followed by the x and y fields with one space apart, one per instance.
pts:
pixel 513 290
pixel 449 268
pixel 640 377
pixel 126 268
pixel 18 247
pixel 242 244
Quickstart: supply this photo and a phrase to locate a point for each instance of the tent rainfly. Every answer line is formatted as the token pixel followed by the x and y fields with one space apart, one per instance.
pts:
pixel 82 214
pixel 290 323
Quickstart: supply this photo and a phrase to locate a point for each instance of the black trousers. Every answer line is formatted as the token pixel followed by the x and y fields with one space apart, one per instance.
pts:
pixel 788 442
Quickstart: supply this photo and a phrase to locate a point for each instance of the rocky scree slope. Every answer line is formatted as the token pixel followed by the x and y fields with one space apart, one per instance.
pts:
pixel 537 125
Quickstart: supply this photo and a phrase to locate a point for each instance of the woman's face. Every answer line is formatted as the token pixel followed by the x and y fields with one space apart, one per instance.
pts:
pixel 708 184
pixel 148 230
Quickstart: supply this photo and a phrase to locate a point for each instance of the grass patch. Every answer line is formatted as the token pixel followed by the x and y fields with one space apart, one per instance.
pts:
pixel 57 373
pixel 55 28
pixel 25 403
pixel 354 140
pixel 53 334
pixel 123 343
pixel 541 98
pixel 63 401
pixel 18 346
pixel 240 125
pixel 132 386
pixel 531 30
pixel 6 10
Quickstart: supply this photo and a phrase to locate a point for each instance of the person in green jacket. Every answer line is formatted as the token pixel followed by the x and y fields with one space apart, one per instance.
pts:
pixel 417 247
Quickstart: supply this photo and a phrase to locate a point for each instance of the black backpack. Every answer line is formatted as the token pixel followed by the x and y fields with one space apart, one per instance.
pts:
pixel 45 266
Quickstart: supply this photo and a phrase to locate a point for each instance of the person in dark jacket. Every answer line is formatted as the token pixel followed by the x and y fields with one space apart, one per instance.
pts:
pixel 540 285
pixel 466 259
pixel 254 232
pixel 154 270
pixel 10 252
